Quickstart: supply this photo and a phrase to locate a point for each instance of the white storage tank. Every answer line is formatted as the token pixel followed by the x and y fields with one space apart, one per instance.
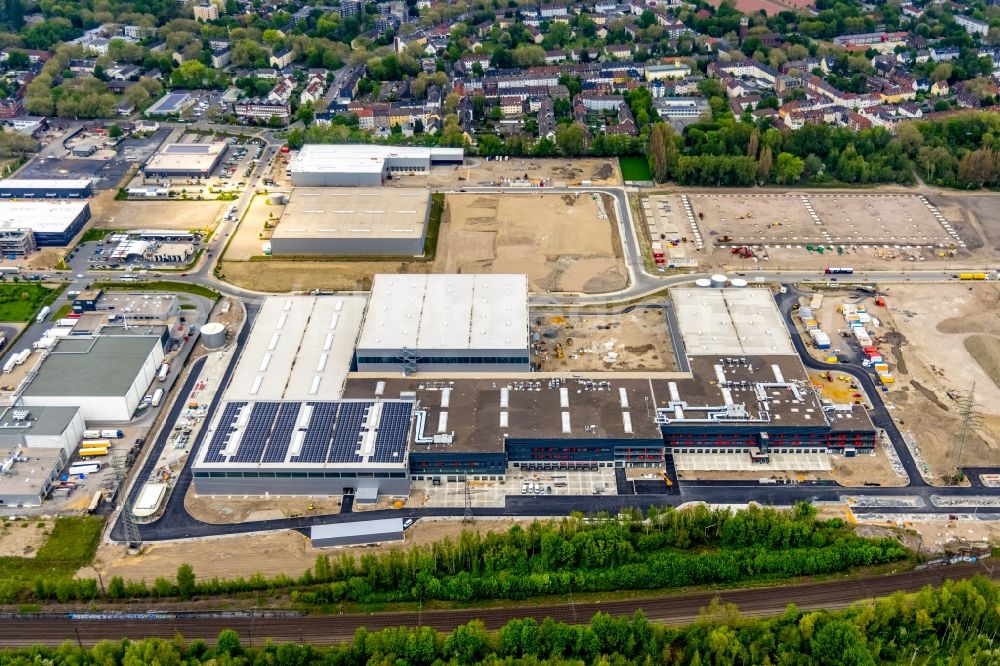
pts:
pixel 213 335
pixel 704 283
pixel 719 280
pixel 738 282
pixel 277 199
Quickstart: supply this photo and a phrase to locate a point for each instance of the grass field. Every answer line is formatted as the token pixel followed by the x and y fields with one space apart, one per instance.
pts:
pixel 19 301
pixel 635 168
pixel 160 285
pixel 71 545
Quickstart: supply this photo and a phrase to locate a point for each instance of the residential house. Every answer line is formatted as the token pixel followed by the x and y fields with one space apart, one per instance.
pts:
pixel 281 58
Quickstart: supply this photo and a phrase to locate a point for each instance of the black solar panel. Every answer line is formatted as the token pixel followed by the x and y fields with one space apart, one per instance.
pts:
pixel 347 432
pixel 281 437
pixel 393 432
pixel 221 435
pixel 257 432
pixel 317 440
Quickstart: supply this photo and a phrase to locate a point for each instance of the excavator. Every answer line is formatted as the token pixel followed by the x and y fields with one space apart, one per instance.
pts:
pixel 666 479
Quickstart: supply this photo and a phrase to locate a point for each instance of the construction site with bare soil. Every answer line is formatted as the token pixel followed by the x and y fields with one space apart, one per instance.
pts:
pixel 732 230
pixel 634 341
pixel 940 343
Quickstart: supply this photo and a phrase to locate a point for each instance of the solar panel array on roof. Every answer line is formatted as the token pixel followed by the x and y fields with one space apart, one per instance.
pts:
pixel 257 432
pixel 316 443
pixel 222 432
pixel 347 432
pixel 284 425
pixel 393 432
pixel 335 432
pixel 187 149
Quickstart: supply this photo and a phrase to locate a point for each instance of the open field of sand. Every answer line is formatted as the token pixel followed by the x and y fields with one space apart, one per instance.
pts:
pixel 944 340
pixel 288 553
pixel 563 242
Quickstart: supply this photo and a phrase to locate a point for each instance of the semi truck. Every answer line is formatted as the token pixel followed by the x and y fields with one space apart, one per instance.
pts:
pixel 973 276
pixel 157 397
pixel 84 468
pixel 112 434
pixel 164 369
pixel 91 434
pixel 838 271
pixel 42 314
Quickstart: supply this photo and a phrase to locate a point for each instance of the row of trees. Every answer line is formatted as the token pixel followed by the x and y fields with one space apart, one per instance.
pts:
pixel 954 624
pixel 959 151
pixel 660 549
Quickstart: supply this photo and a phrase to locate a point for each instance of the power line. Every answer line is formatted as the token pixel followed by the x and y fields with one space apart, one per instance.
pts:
pixel 967 410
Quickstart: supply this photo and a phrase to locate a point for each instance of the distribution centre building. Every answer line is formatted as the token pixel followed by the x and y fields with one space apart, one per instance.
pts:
pixel 282 427
pixel 53 223
pixel 445 323
pixel 106 376
pixel 35 445
pixel 363 165
pixel 185 160
pixel 45 188
pixel 355 222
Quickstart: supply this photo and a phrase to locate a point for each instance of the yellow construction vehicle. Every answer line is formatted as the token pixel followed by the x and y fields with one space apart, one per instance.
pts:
pixel 666 479
pixel 559 350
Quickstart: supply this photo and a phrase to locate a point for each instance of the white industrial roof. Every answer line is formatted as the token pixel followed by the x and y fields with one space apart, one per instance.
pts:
pixel 299 349
pixel 44 216
pixel 447 312
pixel 359 158
pixel 45 183
pixel 355 212
pixel 730 321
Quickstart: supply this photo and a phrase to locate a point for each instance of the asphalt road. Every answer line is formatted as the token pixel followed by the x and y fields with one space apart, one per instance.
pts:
pixel 332 629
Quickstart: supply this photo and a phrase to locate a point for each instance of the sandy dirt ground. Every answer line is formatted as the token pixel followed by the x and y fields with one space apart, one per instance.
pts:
pixel 284 276
pixel 289 553
pixel 563 242
pixel 876 230
pixel 942 340
pixel 181 215
pixel 933 537
pixel 556 172
pixel 248 239
pixel 862 469
pixel 238 509
pixel 638 340
pixel 22 538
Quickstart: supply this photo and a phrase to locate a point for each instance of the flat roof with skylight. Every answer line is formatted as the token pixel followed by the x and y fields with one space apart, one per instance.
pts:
pixel 299 349
pixel 730 321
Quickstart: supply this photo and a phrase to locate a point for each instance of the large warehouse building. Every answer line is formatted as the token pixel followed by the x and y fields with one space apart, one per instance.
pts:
pixel 185 160
pixel 356 222
pixel 445 323
pixel 106 376
pixel 53 223
pixel 362 165
pixel 282 427
pixel 45 188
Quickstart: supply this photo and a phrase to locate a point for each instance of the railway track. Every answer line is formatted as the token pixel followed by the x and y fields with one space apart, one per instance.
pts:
pixel 332 629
